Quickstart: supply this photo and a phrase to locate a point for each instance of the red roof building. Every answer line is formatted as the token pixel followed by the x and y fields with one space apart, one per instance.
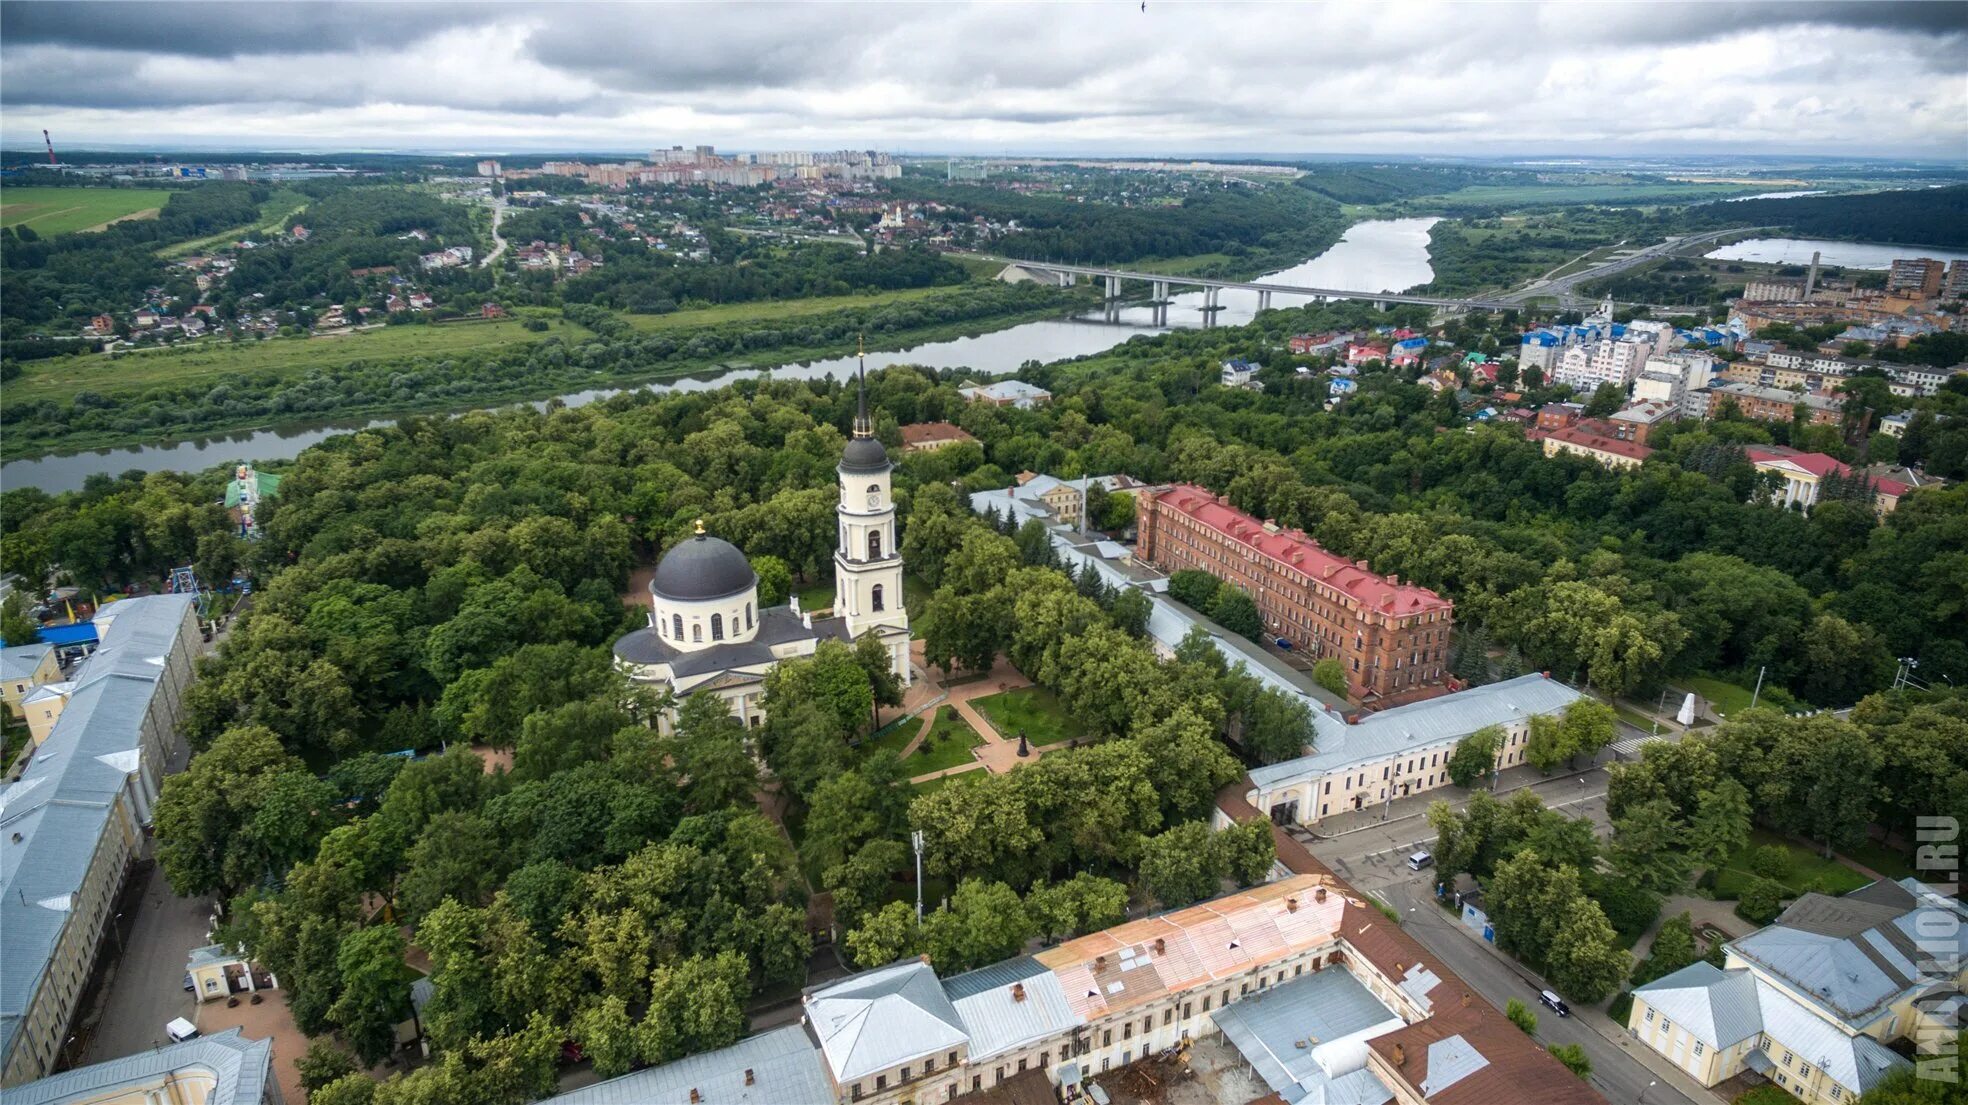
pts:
pixel 1804 476
pixel 925 436
pixel 1586 440
pixel 1391 637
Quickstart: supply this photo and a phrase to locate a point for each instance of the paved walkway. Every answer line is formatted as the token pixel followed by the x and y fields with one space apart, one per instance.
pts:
pixel 998 754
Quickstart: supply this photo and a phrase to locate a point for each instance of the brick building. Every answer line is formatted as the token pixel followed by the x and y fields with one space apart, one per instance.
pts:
pixel 1392 637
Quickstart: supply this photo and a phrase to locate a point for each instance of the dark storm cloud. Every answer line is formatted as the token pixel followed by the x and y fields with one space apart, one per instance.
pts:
pixel 229 29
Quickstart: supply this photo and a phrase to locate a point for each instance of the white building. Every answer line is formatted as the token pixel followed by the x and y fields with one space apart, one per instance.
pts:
pixel 706 631
pixel 1585 367
pixel 1400 752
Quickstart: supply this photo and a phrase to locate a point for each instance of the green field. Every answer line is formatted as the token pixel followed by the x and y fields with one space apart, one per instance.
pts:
pixel 947 744
pixel 1034 711
pixel 778 309
pixel 273 213
pixel 207 362
pixel 60 210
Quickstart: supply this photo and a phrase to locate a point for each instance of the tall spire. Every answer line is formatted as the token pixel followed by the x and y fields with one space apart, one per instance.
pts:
pixel 863 425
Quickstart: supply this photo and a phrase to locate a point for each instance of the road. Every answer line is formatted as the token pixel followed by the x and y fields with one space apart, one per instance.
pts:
pixel 1373 857
pixel 498 243
pixel 1561 287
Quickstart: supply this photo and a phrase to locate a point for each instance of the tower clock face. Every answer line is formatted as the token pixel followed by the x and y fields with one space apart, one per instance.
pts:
pixel 874 498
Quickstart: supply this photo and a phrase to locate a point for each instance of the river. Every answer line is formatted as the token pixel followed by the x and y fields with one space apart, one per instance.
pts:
pixel 1382 255
pixel 1844 255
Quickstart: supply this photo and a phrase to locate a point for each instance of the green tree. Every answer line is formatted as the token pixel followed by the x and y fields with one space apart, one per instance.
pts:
pixel 1761 901
pixel 1475 755
pixel 1082 904
pixel 1179 866
pixel 321 1064
pixel 775 580
pixel 709 751
pixel 1277 726
pixel 1194 589
pixel 695 1005
pixel 984 923
pixel 607 1035
pixel 1585 960
pixel 1588 725
pixel 456 857
pixel 1606 399
pixel 886 935
pixel 1673 948
pixel 349 1089
pixel 203 811
pixel 1720 826
pixel 1574 1058
pixel 17 626
pixel 1331 674
pixel 375 991
pixel 1648 847
pixel 1522 1016
pixel 1545 748
pixel 1245 851
pixel 1235 611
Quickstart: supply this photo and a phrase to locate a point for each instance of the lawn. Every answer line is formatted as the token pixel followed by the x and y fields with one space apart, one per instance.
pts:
pixel 817 596
pixel 1765 1095
pixel 1808 870
pixel 60 210
pixel 948 744
pixel 1725 698
pixel 1034 711
pixel 1887 861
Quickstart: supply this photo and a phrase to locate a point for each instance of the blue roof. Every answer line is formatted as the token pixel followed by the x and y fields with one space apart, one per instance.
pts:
pixel 63 635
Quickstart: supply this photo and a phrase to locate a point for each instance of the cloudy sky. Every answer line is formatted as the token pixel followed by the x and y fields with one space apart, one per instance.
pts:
pixel 1104 76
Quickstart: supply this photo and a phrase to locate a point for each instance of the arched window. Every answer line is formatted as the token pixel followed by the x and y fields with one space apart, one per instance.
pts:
pixel 874 544
pixel 748 615
pixel 697 632
pixel 717 627
pixel 676 627
pixel 874 489
pixel 875 596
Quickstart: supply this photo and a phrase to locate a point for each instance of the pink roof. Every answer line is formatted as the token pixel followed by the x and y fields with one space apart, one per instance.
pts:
pixel 1819 465
pixel 1300 553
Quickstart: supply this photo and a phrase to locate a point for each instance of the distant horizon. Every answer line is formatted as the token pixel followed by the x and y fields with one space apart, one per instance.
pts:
pixel 34 148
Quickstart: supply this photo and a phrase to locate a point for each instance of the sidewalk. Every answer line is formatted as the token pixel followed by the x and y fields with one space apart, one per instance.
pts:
pixel 1595 1018
pixel 1562 788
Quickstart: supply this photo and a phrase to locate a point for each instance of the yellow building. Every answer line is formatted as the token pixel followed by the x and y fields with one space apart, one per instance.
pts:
pixel 1812 1001
pixel 1602 449
pixel 224 1068
pixel 23 668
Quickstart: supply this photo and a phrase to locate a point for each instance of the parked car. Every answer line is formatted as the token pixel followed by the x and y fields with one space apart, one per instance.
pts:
pixel 180 1030
pixel 190 986
pixel 1420 860
pixel 1555 1003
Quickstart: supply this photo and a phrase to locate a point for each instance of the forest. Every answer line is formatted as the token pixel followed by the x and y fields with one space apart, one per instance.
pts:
pixel 348 228
pixel 647 281
pixel 1258 222
pixel 1913 216
pixel 1349 183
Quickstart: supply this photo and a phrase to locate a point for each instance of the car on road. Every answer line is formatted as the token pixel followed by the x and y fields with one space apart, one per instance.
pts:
pixel 1555 1003
pixel 1420 860
pixel 190 987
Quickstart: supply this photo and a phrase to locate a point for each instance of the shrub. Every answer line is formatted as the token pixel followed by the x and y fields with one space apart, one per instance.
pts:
pixel 1771 861
pixel 1761 901
pixel 1330 674
pixel 1521 1016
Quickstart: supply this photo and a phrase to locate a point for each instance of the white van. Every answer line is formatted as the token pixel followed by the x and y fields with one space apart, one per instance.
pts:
pixel 180 1030
pixel 1419 860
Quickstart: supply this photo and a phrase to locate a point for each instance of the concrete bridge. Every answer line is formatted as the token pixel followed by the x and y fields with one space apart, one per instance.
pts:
pixel 1159 284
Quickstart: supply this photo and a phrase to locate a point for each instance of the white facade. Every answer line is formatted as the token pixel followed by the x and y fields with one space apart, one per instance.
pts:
pixel 868 565
pixel 1585 367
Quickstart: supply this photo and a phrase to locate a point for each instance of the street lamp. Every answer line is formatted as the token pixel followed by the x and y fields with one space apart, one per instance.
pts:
pixel 1643 1093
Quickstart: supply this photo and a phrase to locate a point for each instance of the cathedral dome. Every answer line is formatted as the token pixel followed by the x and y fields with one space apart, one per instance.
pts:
pixel 704 567
pixel 864 454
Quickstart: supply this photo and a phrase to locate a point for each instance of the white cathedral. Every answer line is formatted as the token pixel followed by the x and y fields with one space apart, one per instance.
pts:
pixel 706 632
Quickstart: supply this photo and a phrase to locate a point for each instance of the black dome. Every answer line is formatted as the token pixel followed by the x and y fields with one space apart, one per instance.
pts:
pixel 864 454
pixel 704 567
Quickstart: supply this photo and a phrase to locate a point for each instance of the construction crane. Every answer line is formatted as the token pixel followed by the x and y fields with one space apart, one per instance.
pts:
pixel 51 147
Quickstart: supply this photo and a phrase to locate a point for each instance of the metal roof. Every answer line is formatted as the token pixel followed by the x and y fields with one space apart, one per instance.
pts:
pixel 1419 725
pixel 1857 955
pixel 1450 1060
pixel 20 661
pixel 1306 1037
pixel 1719 1007
pixel 782 1063
pixel 239 1066
pixel 1855 1062
pixel 883 1018
pixel 1009 1004
pixel 60 808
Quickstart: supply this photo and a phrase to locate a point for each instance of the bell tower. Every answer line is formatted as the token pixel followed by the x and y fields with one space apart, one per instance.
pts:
pixel 868 559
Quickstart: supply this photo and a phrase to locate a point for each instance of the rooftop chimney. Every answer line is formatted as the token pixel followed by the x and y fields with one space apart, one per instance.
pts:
pixel 695 1097
pixel 1018 991
pixel 1291 905
pixel 1318 893
pixel 1400 1057
pixel 750 1079
pixel 1099 962
pixel 1161 946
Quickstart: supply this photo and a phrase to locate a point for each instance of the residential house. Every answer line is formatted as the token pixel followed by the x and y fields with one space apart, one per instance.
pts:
pixel 1359 354
pixel 1637 420
pixel 1774 404
pixel 1241 374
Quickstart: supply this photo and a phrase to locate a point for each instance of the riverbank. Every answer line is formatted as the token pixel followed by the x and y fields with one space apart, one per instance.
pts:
pixel 492 389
